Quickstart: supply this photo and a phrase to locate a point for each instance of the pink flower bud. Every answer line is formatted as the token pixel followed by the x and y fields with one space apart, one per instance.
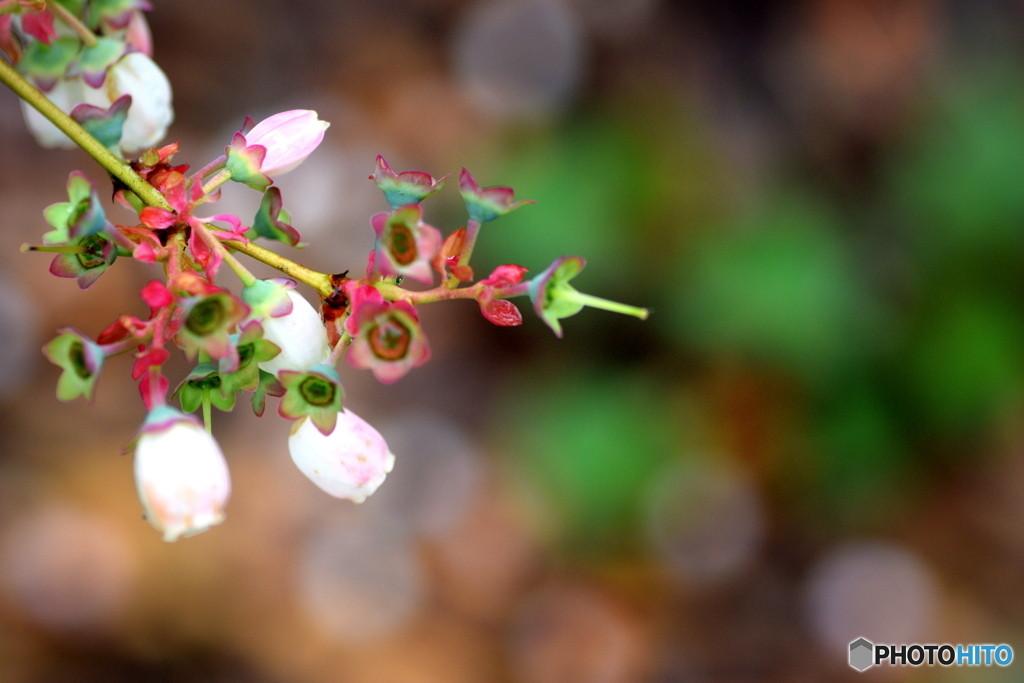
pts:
pixel 350 462
pixel 289 138
pixel 181 474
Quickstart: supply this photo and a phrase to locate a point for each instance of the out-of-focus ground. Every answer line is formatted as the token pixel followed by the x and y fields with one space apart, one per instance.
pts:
pixel 816 436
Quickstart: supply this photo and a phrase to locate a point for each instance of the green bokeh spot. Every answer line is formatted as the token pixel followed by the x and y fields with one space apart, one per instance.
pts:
pixel 590 447
pixel 861 458
pixel 967 363
pixel 960 179
pixel 780 288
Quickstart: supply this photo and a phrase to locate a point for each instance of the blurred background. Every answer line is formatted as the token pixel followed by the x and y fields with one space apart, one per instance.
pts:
pixel 816 436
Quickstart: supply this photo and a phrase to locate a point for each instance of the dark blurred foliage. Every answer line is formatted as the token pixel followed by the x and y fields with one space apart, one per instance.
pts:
pixel 815 437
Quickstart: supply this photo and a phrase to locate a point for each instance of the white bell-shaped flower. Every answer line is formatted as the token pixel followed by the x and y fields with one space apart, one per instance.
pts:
pixel 300 334
pixel 181 474
pixel 151 112
pixel 66 94
pixel 134 74
pixel 350 462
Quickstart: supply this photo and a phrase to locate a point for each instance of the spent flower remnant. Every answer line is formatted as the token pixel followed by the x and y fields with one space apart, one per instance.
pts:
pixel 405 244
pixel 86 78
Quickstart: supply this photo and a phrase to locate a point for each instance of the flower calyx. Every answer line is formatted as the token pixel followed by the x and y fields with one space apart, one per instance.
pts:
pixel 407 187
pixel 488 203
pixel 80 358
pixel 316 394
pixel 386 335
pixel 405 244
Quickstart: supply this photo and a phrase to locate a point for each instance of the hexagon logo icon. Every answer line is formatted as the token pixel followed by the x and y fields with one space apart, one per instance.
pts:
pixel 862 653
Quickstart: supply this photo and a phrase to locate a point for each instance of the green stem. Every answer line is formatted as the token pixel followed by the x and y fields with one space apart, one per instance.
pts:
pixel 472 232
pixel 114 165
pixel 207 413
pixel 121 240
pixel 129 343
pixel 603 304
pixel 393 292
pixel 59 11
pixel 157 398
pixel 339 348
pixel 321 282
pixel 214 165
pixel 223 175
pixel 62 249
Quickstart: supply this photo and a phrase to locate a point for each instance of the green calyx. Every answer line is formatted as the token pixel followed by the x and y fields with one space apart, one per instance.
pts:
pixel 206 317
pixel 81 216
pixel 204 385
pixel 554 298
pixel 253 349
pixel 80 359
pixel 316 394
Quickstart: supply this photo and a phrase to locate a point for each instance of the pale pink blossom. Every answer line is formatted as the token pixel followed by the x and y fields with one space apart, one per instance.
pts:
pixel 289 137
pixel 350 462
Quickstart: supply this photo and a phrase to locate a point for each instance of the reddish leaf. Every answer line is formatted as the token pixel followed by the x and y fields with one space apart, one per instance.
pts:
pixel 156 294
pixel 115 331
pixel 462 273
pixel 452 247
pixel 156 218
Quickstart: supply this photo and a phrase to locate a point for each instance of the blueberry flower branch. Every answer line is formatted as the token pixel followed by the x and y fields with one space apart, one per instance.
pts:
pixel 267 340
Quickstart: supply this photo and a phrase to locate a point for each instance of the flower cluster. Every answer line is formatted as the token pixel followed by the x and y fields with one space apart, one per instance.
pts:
pixel 98 68
pixel 266 339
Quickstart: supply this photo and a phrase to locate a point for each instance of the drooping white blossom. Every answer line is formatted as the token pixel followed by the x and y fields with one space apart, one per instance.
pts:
pixel 134 74
pixel 350 462
pixel 300 334
pixel 181 475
